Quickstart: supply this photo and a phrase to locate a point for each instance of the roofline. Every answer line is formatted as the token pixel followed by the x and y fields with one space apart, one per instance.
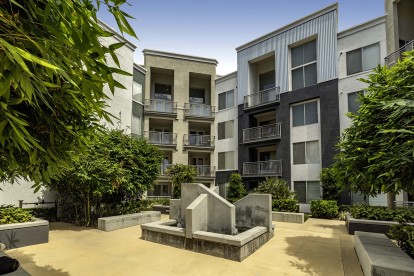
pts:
pixel 362 26
pixel 226 77
pixel 330 8
pixel 128 43
pixel 179 56
pixel 140 68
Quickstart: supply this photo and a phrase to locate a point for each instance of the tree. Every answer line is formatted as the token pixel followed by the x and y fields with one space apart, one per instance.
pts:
pixel 376 152
pixel 236 189
pixel 114 168
pixel 275 186
pixel 179 174
pixel 331 189
pixel 52 73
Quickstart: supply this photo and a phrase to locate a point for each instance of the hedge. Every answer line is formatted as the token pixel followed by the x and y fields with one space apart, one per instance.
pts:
pixel 327 209
pixel 285 205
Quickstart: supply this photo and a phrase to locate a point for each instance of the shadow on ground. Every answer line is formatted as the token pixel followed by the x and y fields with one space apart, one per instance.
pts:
pixel 27 263
pixel 315 255
pixel 65 226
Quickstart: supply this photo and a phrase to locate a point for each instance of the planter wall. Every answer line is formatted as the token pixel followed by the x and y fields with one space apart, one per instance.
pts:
pixel 123 221
pixel 288 217
pixel 23 234
pixel 365 225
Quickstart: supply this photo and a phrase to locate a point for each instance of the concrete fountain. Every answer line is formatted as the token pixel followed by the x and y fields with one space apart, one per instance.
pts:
pixel 204 222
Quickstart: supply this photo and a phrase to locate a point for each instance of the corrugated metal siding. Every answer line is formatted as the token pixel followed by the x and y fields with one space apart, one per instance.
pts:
pixel 323 27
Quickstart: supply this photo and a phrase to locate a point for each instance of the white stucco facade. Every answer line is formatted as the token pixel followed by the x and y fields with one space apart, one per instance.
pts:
pixel 224 84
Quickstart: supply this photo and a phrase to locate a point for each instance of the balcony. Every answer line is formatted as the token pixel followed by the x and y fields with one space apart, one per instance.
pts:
pixel 263 97
pixel 165 139
pixel 262 133
pixel 205 171
pixel 392 59
pixel 160 107
pixel 199 111
pixel 163 169
pixel 263 168
pixel 197 141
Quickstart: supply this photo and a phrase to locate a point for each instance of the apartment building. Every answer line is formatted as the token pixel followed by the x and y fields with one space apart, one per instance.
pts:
pixel 227 129
pixel 287 100
pixel 399 27
pixel 180 113
pixel 360 49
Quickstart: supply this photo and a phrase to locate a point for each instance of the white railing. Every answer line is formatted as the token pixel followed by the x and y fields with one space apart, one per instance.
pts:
pixel 161 138
pixel 160 106
pixel 266 132
pixel 265 168
pixel 197 140
pixel 392 59
pixel 199 110
pixel 205 170
pixel 262 97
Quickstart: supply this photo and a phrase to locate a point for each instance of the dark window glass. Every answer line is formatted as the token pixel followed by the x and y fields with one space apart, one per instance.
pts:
pixel 311 113
pixel 222 101
pixel 300 191
pixel 221 160
pixel 267 80
pixel 310 74
pixel 299 153
pixel 309 52
pixel 297 78
pixel 353 102
pixel 197 95
pixel 354 61
pixel 298 115
pixel 221 130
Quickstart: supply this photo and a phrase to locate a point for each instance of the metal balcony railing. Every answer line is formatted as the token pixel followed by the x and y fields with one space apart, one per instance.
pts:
pixel 266 132
pixel 196 140
pixel 205 171
pixel 392 59
pixel 404 204
pixel 160 106
pixel 161 138
pixel 262 97
pixel 164 168
pixel 263 168
pixel 199 110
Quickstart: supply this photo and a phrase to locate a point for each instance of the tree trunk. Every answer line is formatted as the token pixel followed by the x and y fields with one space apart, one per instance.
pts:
pixel 390 200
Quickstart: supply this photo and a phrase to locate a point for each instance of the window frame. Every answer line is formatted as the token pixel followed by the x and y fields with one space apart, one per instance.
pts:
pixel 304 112
pixel 303 65
pixel 362 58
pixel 225 154
pixel 226 133
pixel 142 92
pixel 306 153
pixel 306 190
pixel 225 93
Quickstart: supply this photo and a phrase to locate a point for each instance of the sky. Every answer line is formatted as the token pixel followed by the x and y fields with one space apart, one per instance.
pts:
pixel 214 28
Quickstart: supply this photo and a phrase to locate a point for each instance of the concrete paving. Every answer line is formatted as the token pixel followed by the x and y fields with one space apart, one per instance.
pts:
pixel 317 247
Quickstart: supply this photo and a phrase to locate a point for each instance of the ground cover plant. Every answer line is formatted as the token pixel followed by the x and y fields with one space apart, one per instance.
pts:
pixel 10 214
pixel 401 214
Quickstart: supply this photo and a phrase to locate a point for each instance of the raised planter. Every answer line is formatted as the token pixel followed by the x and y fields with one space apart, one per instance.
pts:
pixel 378 255
pixel 288 217
pixel 123 221
pixel 164 209
pixel 17 235
pixel 365 225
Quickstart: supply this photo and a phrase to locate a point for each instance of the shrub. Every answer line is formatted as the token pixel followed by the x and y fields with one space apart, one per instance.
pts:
pixel 160 201
pixel 236 189
pixel 277 187
pixel 179 174
pixel 10 214
pixel 331 189
pixel 344 208
pixel 404 235
pixel 327 209
pixel 362 211
pixel 130 207
pixel 285 205
pixel 48 213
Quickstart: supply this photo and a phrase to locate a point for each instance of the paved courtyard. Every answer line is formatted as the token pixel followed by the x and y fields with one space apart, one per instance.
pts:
pixel 318 247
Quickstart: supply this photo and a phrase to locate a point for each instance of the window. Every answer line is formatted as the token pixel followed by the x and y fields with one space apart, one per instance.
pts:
pixel 305 114
pixel 136 125
pixel 137 92
pixel 162 92
pixel 362 59
pixel 226 160
pixel 226 100
pixel 306 152
pixel 353 102
pixel 225 130
pixel 304 65
pixel 267 80
pixel 307 190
